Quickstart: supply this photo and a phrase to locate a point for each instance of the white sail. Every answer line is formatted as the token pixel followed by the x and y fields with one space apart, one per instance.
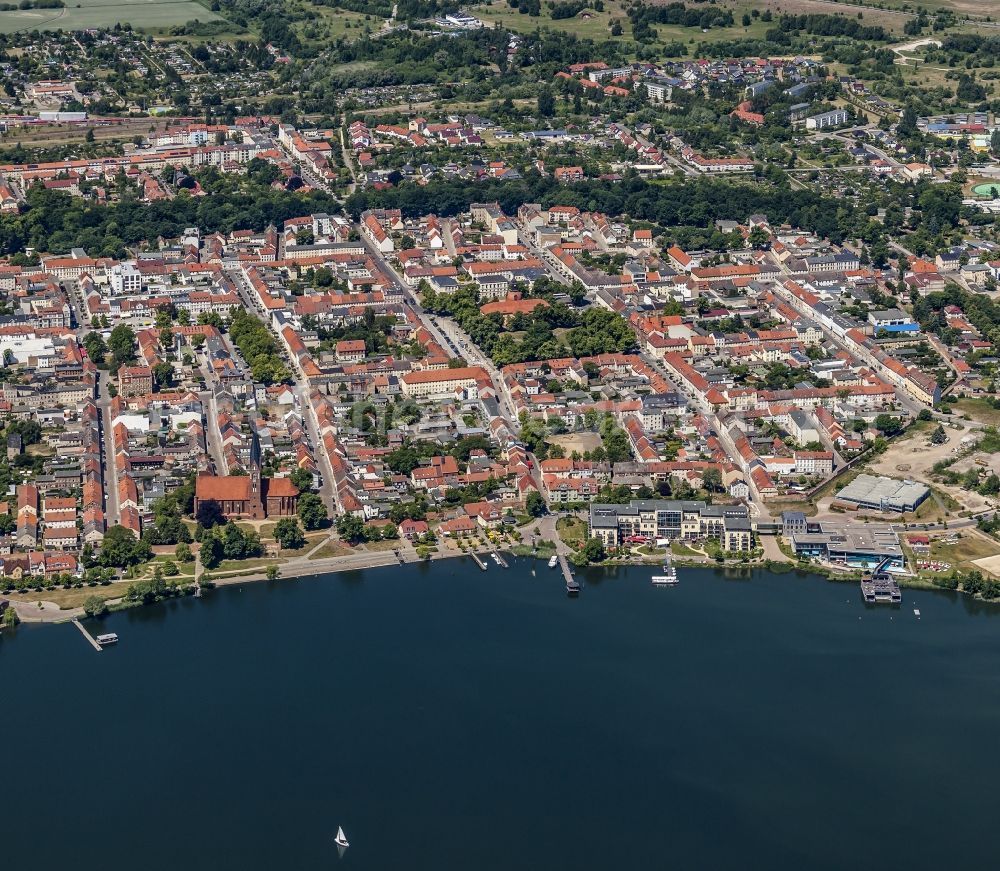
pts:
pixel 341 837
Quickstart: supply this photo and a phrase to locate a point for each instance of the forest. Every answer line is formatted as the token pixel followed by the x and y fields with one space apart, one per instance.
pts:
pixel 55 222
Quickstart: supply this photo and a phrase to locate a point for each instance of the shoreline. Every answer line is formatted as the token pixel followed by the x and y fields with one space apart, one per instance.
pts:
pixel 302 567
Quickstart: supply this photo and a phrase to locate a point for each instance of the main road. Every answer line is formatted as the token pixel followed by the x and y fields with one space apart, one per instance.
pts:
pixel 213 438
pixel 110 472
pixel 328 490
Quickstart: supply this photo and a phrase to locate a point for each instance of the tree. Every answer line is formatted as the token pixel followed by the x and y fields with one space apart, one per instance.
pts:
pixel 534 504
pixel 758 238
pixel 546 102
pixel 182 553
pixel 311 511
pixel 907 125
pixel 212 551
pixel 288 533
pixel 302 479
pixel 888 425
pixel 95 606
pixel 163 375
pixel 350 528
pixel 122 344
pixel 593 550
pixel 925 414
pixel 939 436
pixel 96 347
pixel 712 480
pixel 272 572
pixel 120 548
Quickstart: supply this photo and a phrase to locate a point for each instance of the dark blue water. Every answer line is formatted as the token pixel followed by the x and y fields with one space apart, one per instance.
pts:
pixel 451 719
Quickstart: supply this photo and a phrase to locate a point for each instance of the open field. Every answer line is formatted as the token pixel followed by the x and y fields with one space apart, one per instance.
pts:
pixel 332 549
pixel 572 530
pixel 597 25
pixel 891 11
pixel 966 553
pixel 72 598
pixel 576 441
pixel 336 23
pixel 989 565
pixel 81 14
pixel 980 409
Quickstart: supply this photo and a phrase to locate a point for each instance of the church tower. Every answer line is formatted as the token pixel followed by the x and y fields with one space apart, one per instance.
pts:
pixel 256 505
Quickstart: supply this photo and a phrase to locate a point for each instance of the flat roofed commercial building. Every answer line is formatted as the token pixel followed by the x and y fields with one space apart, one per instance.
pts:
pixel 884 494
pixel 652 519
pixel 849 543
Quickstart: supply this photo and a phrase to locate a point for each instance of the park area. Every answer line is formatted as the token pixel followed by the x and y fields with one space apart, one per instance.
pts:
pixel 83 14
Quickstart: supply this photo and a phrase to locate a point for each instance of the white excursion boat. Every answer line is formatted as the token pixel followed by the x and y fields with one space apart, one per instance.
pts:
pixel 553 561
pixel 341 839
pixel 109 638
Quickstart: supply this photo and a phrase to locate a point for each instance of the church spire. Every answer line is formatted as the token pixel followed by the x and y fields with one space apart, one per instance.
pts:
pixel 256 496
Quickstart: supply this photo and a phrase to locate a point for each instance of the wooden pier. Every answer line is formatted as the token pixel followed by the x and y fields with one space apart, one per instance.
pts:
pixel 88 636
pixel 478 560
pixel 572 585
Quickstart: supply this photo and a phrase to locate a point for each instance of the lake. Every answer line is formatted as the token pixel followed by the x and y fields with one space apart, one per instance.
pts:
pixel 454 719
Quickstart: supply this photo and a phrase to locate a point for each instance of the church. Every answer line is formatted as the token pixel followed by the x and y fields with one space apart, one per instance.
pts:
pixel 247 496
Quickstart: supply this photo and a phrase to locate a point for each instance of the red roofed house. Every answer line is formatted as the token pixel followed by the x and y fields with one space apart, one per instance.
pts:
pixel 413 529
pixel 135 381
pixel 350 350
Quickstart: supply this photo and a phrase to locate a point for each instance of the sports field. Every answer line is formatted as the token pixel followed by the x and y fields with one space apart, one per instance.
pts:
pixel 81 14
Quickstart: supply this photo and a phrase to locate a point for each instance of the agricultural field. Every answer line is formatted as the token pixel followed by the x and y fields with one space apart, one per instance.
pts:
pixel 326 23
pixel 82 14
pixel 884 12
pixel 590 24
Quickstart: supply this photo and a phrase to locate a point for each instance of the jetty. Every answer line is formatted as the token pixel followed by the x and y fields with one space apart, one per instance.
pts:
pixel 572 585
pixel 88 636
pixel 501 561
pixel 478 559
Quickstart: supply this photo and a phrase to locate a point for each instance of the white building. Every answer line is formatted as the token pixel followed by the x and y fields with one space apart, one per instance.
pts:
pixel 125 278
pixel 827 119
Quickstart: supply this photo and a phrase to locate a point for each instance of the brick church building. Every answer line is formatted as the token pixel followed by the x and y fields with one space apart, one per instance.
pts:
pixel 246 496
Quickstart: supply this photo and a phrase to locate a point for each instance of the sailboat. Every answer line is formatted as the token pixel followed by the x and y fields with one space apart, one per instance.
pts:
pixel 341 839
